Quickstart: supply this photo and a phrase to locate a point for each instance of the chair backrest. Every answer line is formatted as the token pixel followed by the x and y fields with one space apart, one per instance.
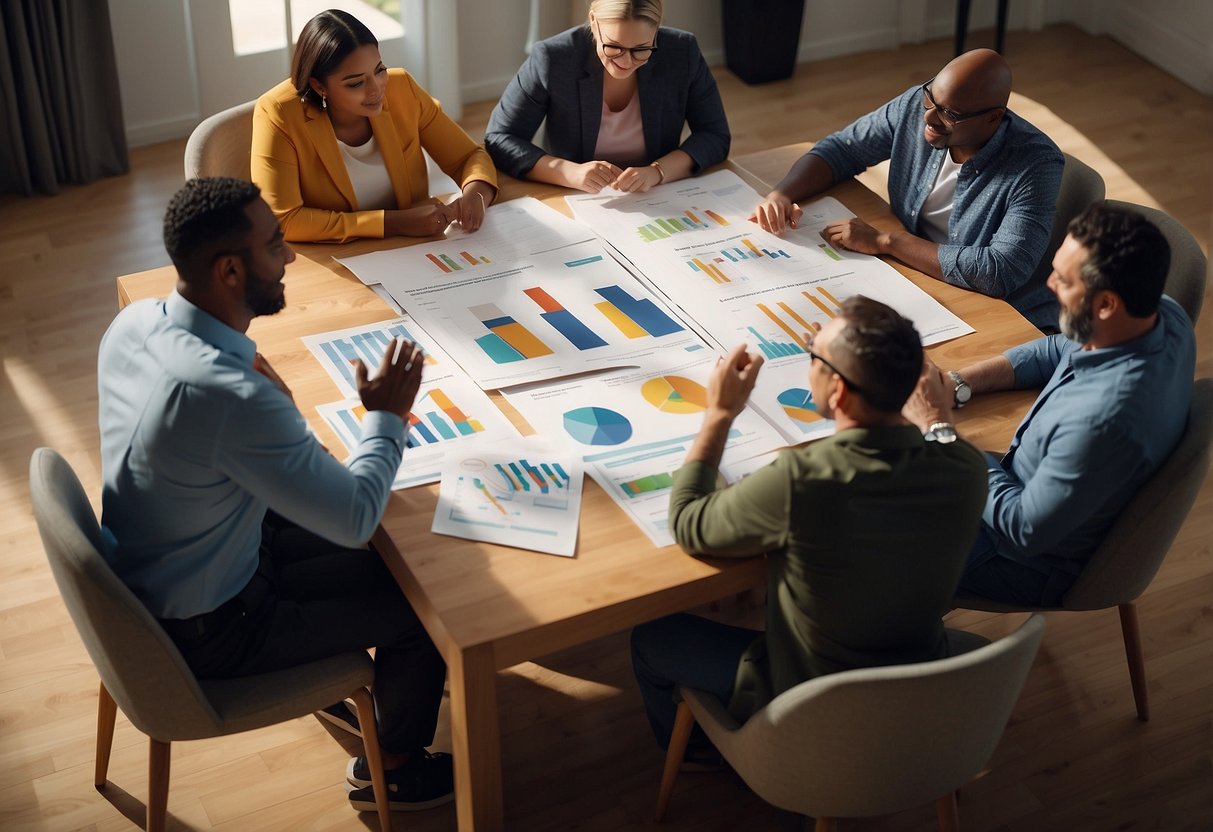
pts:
pixel 139 664
pixel 1186 277
pixel 1080 186
pixel 222 144
pixel 1133 549
pixel 879 740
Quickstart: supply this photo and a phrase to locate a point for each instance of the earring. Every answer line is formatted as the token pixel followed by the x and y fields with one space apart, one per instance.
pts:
pixel 324 102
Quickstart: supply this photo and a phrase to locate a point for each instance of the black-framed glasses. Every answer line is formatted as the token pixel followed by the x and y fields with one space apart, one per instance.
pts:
pixel 816 356
pixel 950 116
pixel 639 54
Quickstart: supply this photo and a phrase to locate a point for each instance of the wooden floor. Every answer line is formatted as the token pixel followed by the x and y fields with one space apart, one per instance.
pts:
pixel 577 751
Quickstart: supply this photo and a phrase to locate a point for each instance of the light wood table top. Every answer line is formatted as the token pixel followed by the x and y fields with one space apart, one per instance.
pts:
pixel 488 607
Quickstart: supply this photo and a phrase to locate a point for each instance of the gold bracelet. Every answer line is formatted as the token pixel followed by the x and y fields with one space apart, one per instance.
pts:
pixel 660 172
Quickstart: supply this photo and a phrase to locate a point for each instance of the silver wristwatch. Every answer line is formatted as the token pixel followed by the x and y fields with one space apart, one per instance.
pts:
pixel 942 432
pixel 962 392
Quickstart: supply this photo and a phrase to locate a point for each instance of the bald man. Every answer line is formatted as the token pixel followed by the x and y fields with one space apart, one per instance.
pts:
pixel 974 185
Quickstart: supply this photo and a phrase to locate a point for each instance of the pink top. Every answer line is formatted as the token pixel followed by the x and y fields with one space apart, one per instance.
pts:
pixel 621 135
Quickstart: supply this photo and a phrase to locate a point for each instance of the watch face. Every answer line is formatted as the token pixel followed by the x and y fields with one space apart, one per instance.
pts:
pixel 963 393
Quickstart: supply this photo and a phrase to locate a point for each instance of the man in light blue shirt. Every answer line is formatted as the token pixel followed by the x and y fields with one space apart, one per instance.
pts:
pixel 225 516
pixel 974 185
pixel 1117 386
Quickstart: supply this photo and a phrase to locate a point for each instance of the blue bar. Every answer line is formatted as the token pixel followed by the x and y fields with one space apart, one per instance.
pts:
pixel 731 257
pixel 744 255
pixel 571 327
pixel 522 478
pixel 425 432
pixel 496 322
pixel 583 261
pixel 560 471
pixel 531 469
pixel 440 425
pixel 509 481
pixel 497 349
pixel 643 312
pixel 339 361
pixel 694 268
pixel 547 469
pixel 351 424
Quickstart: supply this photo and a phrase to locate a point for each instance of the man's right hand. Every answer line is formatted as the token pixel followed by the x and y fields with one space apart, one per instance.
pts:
pixel 777 212
pixel 394 387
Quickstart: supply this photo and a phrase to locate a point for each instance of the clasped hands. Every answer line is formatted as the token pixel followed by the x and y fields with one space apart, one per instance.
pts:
pixel 592 177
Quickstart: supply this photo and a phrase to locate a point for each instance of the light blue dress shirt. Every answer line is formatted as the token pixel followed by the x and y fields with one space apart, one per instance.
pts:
pixel 1104 422
pixel 196 445
pixel 1002 214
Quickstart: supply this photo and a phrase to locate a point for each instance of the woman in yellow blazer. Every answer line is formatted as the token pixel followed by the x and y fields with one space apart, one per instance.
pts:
pixel 337 146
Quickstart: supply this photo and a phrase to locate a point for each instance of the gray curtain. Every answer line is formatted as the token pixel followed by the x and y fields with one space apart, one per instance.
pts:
pixel 60 110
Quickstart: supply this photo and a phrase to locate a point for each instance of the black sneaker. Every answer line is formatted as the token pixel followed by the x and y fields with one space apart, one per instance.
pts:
pixel 343 716
pixel 426 781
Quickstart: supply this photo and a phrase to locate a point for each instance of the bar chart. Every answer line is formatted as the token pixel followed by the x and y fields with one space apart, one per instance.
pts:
pixel 634 317
pixel 435 418
pixel 717 266
pixel 647 484
pixel 794 324
pixel 462 260
pixel 564 321
pixel 367 345
pixel 690 220
pixel 507 340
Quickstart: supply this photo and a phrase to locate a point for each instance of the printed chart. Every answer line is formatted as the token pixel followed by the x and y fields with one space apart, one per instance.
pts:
pixel 530 499
pixel 548 315
pixel 335 350
pixel 447 410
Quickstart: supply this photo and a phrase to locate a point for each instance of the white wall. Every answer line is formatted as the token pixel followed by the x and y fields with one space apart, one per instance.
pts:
pixel 160 91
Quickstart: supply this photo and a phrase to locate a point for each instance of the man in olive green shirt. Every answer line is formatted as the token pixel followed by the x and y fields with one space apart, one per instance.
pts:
pixel 865 532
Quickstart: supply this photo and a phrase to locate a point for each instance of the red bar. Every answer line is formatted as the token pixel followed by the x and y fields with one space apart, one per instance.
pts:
pixel 438 263
pixel 546 302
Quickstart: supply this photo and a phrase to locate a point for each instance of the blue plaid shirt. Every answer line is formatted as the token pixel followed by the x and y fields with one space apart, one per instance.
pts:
pixel 1002 214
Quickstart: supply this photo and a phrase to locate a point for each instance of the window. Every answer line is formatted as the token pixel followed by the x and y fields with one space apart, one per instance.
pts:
pixel 261 25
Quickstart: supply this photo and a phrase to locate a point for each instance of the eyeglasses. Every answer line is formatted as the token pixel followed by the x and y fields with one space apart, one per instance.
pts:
pixel 639 54
pixel 950 117
pixel 815 356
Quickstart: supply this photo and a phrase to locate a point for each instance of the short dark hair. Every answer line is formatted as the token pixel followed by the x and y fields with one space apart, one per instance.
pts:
pixel 880 350
pixel 326 40
pixel 207 218
pixel 1126 254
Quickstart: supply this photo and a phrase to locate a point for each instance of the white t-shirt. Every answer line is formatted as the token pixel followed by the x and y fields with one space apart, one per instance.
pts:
pixel 937 209
pixel 372 185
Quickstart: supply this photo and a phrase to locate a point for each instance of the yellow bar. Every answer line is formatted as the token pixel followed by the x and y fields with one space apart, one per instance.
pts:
pixel 829 297
pixel 716 272
pixel 752 247
pixel 621 321
pixel 829 312
pixel 521 339
pixel 448 407
pixel 762 307
pixel 807 326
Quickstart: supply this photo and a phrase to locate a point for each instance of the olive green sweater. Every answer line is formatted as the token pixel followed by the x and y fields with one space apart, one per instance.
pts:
pixel 866 534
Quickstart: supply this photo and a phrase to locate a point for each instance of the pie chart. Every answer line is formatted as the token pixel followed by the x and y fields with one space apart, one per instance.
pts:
pixel 597 426
pixel 675 394
pixel 798 404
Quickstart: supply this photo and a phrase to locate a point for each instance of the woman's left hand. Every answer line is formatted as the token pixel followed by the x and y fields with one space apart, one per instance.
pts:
pixel 637 180
pixel 468 210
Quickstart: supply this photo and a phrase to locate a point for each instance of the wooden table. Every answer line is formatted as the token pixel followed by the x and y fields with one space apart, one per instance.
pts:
pixel 489 607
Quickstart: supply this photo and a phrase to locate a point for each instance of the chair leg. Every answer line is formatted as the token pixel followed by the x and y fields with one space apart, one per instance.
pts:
pixel 825 825
pixel 1137 662
pixel 684 721
pixel 370 743
pixel 159 754
pixel 107 713
pixel 949 817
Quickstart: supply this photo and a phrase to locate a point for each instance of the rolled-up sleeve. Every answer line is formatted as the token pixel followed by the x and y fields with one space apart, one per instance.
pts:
pixel 865 142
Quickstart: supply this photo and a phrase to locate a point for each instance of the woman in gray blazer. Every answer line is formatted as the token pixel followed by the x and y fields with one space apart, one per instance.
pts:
pixel 616 94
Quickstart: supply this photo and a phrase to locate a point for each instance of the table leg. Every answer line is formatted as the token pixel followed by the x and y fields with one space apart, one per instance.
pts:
pixel 476 740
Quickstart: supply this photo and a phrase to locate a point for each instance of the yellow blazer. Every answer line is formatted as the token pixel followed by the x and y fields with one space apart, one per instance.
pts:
pixel 297 165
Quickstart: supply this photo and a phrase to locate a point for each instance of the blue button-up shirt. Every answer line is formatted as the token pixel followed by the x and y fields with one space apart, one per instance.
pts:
pixel 1104 422
pixel 196 445
pixel 1002 213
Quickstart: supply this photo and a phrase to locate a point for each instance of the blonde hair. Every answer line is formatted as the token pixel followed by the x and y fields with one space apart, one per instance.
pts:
pixel 647 10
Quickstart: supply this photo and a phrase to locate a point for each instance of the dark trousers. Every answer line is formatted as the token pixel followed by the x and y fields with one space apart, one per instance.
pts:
pixel 686 650
pixel 311 599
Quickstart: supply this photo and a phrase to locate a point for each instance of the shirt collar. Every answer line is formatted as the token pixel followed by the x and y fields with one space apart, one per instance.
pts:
pixel 994 146
pixel 209 328
pixel 883 438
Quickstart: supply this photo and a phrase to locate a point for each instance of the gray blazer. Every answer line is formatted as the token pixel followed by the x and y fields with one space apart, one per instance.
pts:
pixel 562 81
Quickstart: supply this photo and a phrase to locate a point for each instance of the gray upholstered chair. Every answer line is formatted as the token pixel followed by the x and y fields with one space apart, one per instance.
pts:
pixel 871 741
pixel 1081 185
pixel 1186 278
pixel 1133 549
pixel 141 669
pixel 222 144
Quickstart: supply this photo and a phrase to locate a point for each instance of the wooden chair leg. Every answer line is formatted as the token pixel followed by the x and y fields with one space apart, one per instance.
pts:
pixel 825 825
pixel 684 721
pixel 107 713
pixel 949 817
pixel 1137 662
pixel 370 743
pixel 159 754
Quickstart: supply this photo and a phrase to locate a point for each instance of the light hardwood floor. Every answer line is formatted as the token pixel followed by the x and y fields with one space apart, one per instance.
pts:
pixel 577 751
